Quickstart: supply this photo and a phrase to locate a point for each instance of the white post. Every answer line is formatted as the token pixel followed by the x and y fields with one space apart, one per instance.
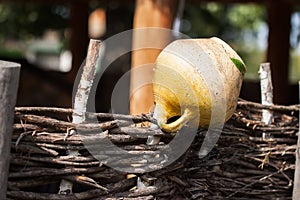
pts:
pixel 81 98
pixel 9 82
pixel 266 91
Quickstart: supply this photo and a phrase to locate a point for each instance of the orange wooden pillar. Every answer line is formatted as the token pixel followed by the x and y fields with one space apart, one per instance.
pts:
pixel 97 23
pixel 148 13
pixel 279 16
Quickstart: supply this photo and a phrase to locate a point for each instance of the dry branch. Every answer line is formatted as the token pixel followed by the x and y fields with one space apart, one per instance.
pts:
pixel 280 108
pixel 235 167
pixel 34 172
pixel 266 91
pixel 82 95
pixel 99 116
pixel 64 126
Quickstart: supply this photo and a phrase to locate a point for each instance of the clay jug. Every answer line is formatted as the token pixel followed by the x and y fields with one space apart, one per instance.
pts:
pixel 193 77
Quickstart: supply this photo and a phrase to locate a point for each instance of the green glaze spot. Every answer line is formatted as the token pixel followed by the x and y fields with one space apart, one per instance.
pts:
pixel 241 67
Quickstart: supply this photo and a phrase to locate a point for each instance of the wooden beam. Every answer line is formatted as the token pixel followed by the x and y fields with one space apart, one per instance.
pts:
pixel 291 2
pixel 148 13
pixel 36 1
pixel 120 2
pixel 79 36
pixel 279 16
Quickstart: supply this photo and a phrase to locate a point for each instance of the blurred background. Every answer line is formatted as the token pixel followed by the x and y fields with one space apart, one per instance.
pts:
pixel 50 39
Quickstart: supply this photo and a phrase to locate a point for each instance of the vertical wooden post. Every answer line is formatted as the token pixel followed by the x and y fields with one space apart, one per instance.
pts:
pixel 79 36
pixel 279 15
pixel 9 81
pixel 296 188
pixel 81 98
pixel 266 91
pixel 148 13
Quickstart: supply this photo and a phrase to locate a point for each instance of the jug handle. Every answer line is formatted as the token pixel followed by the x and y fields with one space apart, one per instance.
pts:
pixel 172 127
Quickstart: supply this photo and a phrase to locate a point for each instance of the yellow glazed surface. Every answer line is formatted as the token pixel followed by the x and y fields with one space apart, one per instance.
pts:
pixel 190 77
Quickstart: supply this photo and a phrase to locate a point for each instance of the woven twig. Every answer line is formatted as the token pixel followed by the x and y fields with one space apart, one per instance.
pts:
pixel 251 160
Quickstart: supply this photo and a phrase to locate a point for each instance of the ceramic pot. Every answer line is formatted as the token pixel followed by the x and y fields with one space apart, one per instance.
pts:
pixel 193 77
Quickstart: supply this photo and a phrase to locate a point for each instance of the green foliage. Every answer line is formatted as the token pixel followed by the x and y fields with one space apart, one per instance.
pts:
pixel 237 24
pixel 223 20
pixel 23 20
pixel 246 16
pixel 10 53
pixel 294 71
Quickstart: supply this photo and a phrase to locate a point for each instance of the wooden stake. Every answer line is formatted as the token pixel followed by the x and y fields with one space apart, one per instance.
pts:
pixel 81 98
pixel 86 81
pixel 9 81
pixel 148 13
pixel 296 189
pixel 266 91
